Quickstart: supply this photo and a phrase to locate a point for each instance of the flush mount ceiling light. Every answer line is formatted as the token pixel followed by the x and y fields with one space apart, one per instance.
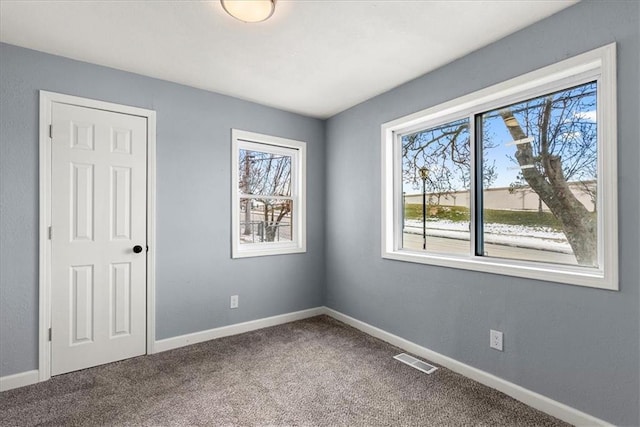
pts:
pixel 249 10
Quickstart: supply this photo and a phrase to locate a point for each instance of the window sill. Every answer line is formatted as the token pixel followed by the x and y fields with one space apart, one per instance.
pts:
pixel 579 276
pixel 250 251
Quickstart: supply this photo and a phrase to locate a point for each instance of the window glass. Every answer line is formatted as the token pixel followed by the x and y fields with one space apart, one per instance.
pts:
pixel 436 167
pixel 263 173
pixel 540 201
pixel 265 220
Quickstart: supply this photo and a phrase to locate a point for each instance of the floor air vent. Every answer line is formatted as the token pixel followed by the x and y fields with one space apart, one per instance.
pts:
pixel 415 363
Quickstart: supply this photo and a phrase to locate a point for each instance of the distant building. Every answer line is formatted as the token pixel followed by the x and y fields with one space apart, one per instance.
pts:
pixel 507 198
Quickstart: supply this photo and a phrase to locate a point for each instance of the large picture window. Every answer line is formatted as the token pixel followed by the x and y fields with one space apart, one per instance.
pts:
pixel 268 195
pixel 516 179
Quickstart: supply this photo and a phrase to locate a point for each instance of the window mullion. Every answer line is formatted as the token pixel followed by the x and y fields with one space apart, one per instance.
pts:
pixel 266 197
pixel 472 188
pixel 476 184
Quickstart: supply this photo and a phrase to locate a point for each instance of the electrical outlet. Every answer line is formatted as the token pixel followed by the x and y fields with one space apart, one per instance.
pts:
pixel 234 301
pixel 495 339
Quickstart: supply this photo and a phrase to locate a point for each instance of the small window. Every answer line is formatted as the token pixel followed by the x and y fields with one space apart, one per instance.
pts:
pixel 516 179
pixel 268 209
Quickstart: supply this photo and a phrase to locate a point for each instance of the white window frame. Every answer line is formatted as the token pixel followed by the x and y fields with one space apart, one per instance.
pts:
pixel 597 65
pixel 271 144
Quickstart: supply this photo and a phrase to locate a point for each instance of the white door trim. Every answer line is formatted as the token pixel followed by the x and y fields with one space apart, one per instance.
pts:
pixel 46 102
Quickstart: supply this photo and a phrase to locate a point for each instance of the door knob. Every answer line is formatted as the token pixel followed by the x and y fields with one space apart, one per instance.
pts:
pixel 137 249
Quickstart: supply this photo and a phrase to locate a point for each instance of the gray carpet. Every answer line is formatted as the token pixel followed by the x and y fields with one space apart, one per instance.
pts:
pixel 314 372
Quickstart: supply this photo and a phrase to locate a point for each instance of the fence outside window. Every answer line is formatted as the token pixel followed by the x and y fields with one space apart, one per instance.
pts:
pixel 257 231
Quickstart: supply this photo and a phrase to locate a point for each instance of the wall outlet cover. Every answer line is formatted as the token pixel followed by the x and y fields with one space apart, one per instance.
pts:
pixel 495 340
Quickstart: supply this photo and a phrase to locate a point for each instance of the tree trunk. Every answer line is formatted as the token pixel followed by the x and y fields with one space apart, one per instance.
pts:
pixel 271 226
pixel 579 225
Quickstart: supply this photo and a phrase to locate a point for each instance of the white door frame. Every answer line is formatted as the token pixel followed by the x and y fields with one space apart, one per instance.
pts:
pixel 46 104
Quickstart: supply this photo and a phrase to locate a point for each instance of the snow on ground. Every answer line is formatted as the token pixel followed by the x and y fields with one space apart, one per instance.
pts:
pixel 541 238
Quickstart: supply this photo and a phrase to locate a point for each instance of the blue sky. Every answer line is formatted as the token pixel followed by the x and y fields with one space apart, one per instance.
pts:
pixel 497 135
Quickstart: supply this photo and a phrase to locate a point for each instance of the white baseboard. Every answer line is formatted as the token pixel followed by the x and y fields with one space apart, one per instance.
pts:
pixel 531 398
pixel 238 328
pixel 31 377
pixel 19 380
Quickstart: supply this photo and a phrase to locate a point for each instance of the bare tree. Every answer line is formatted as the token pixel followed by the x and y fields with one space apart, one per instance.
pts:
pixel 563 148
pixel 269 176
pixel 561 132
pixel 446 152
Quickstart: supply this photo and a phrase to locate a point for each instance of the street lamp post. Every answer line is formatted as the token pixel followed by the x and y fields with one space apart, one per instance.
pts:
pixel 424 174
pixel 404 209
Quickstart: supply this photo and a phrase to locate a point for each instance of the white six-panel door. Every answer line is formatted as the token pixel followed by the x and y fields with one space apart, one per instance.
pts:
pixel 98 216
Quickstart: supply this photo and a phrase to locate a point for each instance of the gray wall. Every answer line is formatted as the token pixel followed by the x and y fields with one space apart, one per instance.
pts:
pixel 195 275
pixel 577 345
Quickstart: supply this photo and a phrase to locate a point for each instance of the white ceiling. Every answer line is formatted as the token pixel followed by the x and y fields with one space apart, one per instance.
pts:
pixel 314 57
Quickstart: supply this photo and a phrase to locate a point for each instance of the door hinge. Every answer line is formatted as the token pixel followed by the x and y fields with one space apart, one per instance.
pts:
pixel 50 232
pixel 49 334
pixel 51 131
